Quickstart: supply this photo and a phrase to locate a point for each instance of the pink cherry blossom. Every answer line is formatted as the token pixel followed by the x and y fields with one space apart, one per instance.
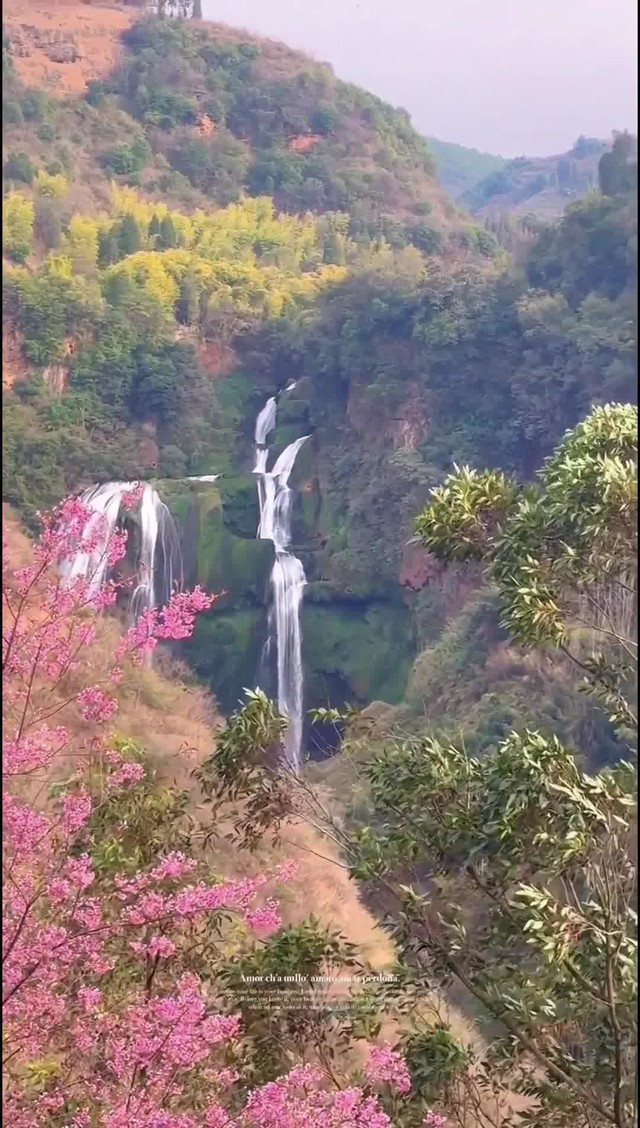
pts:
pixel 99 970
pixel 387 1065
pixel 264 920
pixel 287 869
pixel 90 997
pixel 96 705
pixel 131 498
pixel 128 773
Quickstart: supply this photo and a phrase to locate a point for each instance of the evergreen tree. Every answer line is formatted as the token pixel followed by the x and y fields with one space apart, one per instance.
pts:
pixel 188 303
pixel 618 170
pixel 168 236
pixel 48 221
pixel 129 238
pixel 154 228
pixel 108 247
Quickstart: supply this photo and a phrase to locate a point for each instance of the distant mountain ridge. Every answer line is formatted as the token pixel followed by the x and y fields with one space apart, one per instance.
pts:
pixel 460 168
pixel 488 184
pixel 539 185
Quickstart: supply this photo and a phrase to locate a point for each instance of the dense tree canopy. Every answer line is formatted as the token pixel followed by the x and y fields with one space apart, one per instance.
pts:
pixel 511 875
pixel 563 554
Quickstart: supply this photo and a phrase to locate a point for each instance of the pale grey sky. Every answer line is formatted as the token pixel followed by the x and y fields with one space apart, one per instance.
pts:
pixel 505 76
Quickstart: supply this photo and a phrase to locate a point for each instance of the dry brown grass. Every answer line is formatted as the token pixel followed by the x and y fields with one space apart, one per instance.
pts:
pixel 94 29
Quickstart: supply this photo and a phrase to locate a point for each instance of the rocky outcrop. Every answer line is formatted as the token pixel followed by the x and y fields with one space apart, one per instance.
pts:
pixel 14 363
pixel 216 359
pixel 355 652
pixel 418 567
pixel 304 143
pixel 226 645
pixel 148 451
pixel 409 425
pixel 56 376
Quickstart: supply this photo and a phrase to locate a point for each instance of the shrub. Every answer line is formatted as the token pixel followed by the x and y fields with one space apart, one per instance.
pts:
pixel 52 185
pixel 325 120
pixel 17 227
pixel 124 159
pixel 47 306
pixel 18 166
pixel 12 112
pixel 217 166
pixel 425 238
pixel 95 93
pixel 173 462
pixel 48 221
pixel 36 105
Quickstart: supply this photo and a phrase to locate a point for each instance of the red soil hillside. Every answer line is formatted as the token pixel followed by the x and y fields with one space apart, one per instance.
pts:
pixel 63 44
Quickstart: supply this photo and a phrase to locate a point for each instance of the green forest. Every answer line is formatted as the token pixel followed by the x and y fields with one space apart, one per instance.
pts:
pixel 217 221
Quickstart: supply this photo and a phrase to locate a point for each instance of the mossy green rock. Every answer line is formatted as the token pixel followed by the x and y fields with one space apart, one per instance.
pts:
pixel 241 512
pixel 227 641
pixel 225 650
pixel 355 652
pixel 294 410
pixel 214 556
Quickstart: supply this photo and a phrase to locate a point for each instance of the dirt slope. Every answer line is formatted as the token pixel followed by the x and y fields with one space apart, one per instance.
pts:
pixel 62 44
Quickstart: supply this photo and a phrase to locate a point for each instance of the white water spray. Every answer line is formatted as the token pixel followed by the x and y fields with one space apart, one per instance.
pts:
pixel 266 421
pixel 287 577
pixel 105 502
pixel 160 559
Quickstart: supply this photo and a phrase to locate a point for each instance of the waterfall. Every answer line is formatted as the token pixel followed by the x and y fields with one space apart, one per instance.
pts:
pixel 160 558
pixel 105 502
pixel 266 421
pixel 155 567
pixel 287 577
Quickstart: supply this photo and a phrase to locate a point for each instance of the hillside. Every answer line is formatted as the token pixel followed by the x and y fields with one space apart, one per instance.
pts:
pixel 459 168
pixel 65 44
pixel 492 187
pixel 539 186
pixel 238 113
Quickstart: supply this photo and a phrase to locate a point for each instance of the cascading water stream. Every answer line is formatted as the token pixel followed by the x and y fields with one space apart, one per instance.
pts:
pixel 287 576
pixel 160 558
pixel 105 502
pixel 165 566
pixel 160 562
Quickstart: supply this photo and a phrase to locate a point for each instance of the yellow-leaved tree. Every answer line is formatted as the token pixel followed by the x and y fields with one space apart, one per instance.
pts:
pixel 17 227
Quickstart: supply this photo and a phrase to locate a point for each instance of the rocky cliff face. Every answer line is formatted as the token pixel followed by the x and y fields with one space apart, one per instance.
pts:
pixel 220 553
pixel 360 613
pixel 357 622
